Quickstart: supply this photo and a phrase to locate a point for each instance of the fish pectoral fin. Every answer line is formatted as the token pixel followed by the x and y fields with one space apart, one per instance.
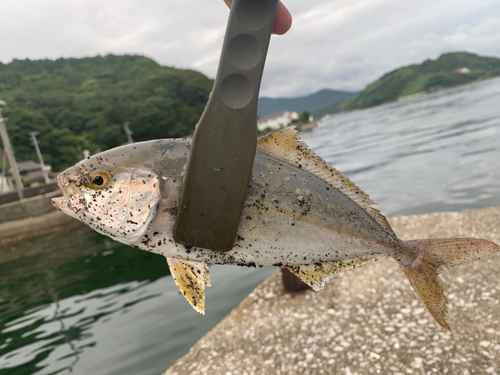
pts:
pixel 315 275
pixel 191 277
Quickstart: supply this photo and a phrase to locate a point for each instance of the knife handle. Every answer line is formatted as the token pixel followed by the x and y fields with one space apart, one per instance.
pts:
pixel 225 139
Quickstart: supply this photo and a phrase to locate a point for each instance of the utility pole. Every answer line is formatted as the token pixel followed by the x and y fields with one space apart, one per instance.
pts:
pixel 10 154
pixel 128 131
pixel 39 154
pixel 4 161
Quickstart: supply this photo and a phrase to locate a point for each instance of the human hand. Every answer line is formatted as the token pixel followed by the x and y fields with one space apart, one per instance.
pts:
pixel 282 20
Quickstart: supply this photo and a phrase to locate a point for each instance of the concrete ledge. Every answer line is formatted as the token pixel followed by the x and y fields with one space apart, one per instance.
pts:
pixel 30 207
pixel 28 193
pixel 51 222
pixel 367 320
pixel 31 217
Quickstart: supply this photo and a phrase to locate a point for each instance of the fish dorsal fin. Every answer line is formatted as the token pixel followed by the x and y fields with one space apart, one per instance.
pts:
pixel 315 275
pixel 285 145
pixel 191 277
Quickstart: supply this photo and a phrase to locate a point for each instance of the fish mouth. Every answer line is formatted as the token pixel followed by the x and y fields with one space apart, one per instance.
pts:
pixel 61 203
pixel 62 183
pixel 64 203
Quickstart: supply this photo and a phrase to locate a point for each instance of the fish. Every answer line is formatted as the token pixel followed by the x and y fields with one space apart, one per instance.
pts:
pixel 300 213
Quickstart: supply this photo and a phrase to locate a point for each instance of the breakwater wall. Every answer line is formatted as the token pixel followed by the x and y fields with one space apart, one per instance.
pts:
pixel 28 193
pixel 30 217
pixel 28 207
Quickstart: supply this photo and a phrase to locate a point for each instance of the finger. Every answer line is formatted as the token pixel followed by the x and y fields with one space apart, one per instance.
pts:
pixel 282 20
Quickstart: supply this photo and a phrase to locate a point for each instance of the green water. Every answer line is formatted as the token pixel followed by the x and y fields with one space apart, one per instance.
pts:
pixel 78 302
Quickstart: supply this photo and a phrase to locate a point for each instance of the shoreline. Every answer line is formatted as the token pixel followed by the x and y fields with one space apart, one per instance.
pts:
pixel 367 319
pixel 31 217
pixel 403 99
pixel 18 230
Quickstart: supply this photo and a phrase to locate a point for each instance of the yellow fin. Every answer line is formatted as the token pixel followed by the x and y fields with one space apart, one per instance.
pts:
pixel 191 278
pixel 315 275
pixel 285 145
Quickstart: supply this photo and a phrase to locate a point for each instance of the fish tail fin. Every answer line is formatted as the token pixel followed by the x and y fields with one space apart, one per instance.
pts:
pixel 431 257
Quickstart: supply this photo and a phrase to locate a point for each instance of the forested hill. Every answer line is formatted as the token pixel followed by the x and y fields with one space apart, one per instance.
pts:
pixel 79 104
pixel 428 76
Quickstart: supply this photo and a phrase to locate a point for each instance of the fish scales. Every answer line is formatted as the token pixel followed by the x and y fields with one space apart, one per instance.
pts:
pixel 300 213
pixel 298 208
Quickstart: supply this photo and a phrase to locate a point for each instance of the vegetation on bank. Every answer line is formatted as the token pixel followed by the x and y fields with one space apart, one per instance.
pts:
pixel 79 104
pixel 431 75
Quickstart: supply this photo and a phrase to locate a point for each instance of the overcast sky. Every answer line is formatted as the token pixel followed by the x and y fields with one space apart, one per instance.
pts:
pixel 337 44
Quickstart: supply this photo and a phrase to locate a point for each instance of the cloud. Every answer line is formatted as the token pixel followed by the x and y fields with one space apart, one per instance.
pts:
pixel 483 39
pixel 172 32
pixel 339 44
pixel 348 44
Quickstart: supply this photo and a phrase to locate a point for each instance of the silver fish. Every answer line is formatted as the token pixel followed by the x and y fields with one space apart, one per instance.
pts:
pixel 300 213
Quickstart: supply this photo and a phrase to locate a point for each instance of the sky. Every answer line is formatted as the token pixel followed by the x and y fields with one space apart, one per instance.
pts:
pixel 335 44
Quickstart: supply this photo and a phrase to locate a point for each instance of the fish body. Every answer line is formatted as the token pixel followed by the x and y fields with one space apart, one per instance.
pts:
pixel 300 213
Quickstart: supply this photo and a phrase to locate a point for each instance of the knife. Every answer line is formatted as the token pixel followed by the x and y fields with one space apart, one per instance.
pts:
pixel 225 139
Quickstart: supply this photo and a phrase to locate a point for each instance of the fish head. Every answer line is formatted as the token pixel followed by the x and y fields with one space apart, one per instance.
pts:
pixel 119 192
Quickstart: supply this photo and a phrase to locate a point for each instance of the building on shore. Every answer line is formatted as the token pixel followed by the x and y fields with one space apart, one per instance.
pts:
pixel 31 173
pixel 276 120
pixel 462 70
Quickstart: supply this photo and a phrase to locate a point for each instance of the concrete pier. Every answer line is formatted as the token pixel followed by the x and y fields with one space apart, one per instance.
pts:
pixel 367 320
pixel 31 217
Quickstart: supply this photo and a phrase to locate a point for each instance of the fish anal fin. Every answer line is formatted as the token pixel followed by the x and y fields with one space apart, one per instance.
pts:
pixel 285 145
pixel 431 256
pixel 315 275
pixel 191 277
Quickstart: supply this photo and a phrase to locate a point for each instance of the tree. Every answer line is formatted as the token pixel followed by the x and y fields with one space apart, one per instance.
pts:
pixel 304 117
pixel 83 103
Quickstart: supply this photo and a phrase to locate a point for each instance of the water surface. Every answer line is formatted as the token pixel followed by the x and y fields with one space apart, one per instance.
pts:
pixel 79 302
pixel 439 152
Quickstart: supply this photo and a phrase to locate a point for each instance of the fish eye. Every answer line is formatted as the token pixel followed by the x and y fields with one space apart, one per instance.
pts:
pixel 98 179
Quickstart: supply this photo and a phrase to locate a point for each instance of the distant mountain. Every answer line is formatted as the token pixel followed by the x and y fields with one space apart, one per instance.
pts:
pixel 309 103
pixel 333 108
pixel 450 69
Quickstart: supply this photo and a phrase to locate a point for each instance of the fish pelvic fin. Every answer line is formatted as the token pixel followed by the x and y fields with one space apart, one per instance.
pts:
pixel 315 275
pixel 191 277
pixel 432 256
pixel 285 145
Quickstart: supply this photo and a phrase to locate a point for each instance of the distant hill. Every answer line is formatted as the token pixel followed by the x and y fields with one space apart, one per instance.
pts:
pixel 331 108
pixel 309 103
pixel 429 76
pixel 79 104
